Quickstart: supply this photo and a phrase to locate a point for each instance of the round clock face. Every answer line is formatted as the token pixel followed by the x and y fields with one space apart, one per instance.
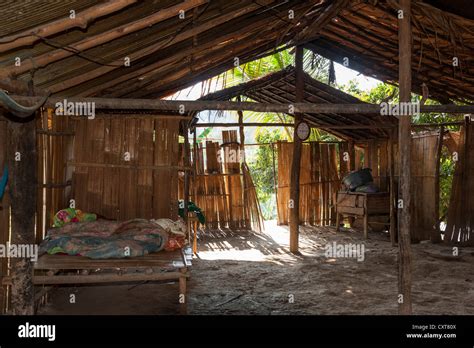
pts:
pixel 303 131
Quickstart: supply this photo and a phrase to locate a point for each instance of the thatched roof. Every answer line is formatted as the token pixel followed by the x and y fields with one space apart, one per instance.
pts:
pixel 280 87
pixel 166 55
pixel 85 56
pixel 366 33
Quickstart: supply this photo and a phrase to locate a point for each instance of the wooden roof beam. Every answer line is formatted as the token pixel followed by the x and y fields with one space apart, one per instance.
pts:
pixel 155 78
pixel 330 117
pixel 102 38
pixel 246 31
pixel 314 27
pixel 261 96
pixel 156 47
pixel 82 20
pixel 210 70
pixel 200 105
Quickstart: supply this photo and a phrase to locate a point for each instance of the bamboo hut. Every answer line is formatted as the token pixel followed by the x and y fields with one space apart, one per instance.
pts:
pixel 87 121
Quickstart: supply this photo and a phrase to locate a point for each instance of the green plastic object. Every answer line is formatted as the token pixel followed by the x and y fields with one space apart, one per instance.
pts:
pixel 193 208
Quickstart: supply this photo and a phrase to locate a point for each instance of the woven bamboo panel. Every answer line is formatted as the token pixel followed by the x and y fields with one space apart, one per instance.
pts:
pixel 423 207
pixel 224 188
pixel 424 215
pixel 319 182
pixel 126 168
pixel 461 208
pixel 284 151
pixel 234 184
pixel 54 176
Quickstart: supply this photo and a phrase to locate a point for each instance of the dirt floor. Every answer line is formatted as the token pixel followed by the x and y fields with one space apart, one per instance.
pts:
pixel 250 273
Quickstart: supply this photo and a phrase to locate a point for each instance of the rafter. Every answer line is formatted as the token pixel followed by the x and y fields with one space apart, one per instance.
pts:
pixel 81 20
pixel 102 38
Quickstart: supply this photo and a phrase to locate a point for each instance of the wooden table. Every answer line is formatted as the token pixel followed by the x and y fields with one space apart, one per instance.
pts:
pixel 359 204
pixel 164 265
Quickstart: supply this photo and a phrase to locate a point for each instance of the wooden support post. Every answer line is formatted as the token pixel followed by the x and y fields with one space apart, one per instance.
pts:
pixel 23 194
pixel 186 172
pixel 241 132
pixel 194 188
pixel 366 220
pixel 436 235
pixel 352 156
pixel 242 153
pixel 404 226
pixel 275 185
pixel 195 165
pixel 294 203
pixel 393 198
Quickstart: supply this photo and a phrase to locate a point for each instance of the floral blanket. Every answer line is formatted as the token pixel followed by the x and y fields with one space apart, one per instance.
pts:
pixel 105 239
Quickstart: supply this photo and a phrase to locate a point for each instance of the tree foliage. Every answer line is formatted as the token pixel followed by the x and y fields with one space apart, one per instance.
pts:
pixel 262 170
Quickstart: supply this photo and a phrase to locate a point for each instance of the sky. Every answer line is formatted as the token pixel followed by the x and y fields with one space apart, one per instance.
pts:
pixel 344 75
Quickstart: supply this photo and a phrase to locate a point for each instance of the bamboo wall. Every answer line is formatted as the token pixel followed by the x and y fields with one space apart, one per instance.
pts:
pixel 425 160
pixel 223 187
pixel 54 142
pixel 119 168
pixel 319 182
pixel 209 191
pixel 126 168
pixel 461 208
pixel 322 168
pixel 423 170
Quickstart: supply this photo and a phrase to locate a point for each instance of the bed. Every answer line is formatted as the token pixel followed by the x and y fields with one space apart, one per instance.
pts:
pixel 63 259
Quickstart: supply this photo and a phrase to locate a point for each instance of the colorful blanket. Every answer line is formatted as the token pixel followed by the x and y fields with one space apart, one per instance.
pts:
pixel 105 239
pixel 68 215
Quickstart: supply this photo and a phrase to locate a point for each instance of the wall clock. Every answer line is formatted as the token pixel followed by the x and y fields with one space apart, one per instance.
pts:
pixel 303 130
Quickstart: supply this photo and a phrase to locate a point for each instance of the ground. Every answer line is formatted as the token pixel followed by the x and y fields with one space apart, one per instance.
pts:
pixel 241 272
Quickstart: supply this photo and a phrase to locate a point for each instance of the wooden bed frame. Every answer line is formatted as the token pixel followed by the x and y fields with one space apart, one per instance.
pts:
pixel 164 265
